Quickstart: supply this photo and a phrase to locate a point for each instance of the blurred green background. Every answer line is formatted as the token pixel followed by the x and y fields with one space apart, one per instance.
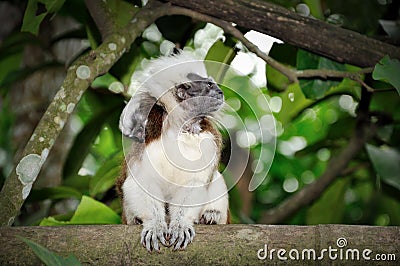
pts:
pixel 313 120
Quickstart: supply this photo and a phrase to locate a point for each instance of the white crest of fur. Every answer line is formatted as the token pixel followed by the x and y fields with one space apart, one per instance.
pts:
pixel 163 73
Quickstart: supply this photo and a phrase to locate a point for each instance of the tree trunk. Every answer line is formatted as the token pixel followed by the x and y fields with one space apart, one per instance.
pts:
pixel 216 245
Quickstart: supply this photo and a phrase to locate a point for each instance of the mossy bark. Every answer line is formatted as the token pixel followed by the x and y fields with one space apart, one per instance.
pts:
pixel 213 245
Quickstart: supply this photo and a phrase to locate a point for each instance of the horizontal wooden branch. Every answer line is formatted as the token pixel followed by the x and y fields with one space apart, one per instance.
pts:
pixel 311 34
pixel 213 245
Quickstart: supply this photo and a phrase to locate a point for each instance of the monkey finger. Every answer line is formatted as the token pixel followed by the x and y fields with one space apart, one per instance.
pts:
pixel 173 236
pixel 163 239
pixel 178 244
pixel 143 240
pixel 188 239
pixel 154 241
pixel 143 236
pixel 173 239
pixel 147 236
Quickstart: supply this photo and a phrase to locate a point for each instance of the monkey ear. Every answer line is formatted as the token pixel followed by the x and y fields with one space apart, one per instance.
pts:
pixel 181 91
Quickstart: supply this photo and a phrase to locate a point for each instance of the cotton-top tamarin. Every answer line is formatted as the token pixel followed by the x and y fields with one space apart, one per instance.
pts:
pixel 171 180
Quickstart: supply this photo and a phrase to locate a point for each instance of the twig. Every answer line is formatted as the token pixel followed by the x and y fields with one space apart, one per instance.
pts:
pixel 230 29
pixel 292 74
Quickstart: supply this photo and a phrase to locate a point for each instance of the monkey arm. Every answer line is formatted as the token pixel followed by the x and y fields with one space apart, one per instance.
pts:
pixel 133 119
pixel 216 210
pixel 184 215
pixel 140 207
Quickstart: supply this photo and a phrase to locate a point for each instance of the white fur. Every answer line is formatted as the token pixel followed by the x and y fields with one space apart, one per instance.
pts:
pixel 189 184
pixel 176 162
pixel 178 169
pixel 165 72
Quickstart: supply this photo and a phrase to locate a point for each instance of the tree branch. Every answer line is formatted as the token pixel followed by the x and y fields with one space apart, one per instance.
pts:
pixel 99 61
pixel 213 245
pixel 292 74
pixel 102 17
pixel 310 34
pixel 79 76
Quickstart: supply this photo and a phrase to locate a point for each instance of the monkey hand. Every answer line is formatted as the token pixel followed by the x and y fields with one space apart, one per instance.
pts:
pixel 210 217
pixel 153 231
pixel 181 234
pixel 132 124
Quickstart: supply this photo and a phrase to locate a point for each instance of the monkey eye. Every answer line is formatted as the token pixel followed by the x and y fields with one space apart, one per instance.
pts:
pixel 210 84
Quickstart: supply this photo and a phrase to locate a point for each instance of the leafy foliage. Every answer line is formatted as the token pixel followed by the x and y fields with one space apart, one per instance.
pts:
pixel 386 162
pixel 313 120
pixel 316 88
pixel 31 20
pixel 388 70
pixel 89 211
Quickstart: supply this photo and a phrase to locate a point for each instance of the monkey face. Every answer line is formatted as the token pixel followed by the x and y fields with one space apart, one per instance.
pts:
pixel 200 95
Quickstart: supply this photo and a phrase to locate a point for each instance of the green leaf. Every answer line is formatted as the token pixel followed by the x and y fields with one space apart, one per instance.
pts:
pixel 105 145
pixel 284 53
pixel 51 221
pixel 388 70
pixel 104 81
pixel 82 144
pixel 93 111
pixel 386 161
pixel 50 258
pixel 219 52
pixel 276 80
pixel 316 88
pixel 32 21
pixel 315 8
pixel 52 6
pixel 122 11
pixel 150 49
pixel 91 211
pixel 330 207
pixel 125 67
pixel 78 182
pixel 59 192
pixel 106 175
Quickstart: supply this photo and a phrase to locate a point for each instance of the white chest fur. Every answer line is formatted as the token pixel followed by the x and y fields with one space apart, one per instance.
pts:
pixel 182 159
